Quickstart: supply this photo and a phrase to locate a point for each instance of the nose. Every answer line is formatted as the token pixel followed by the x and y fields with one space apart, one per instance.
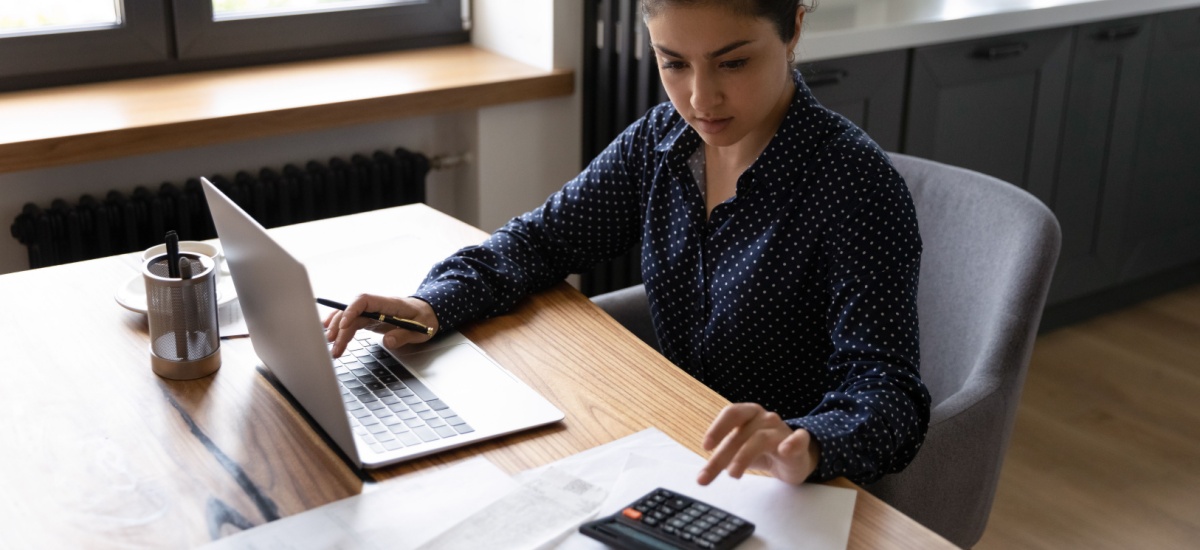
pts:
pixel 706 92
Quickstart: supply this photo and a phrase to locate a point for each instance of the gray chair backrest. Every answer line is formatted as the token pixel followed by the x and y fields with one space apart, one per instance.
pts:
pixel 989 250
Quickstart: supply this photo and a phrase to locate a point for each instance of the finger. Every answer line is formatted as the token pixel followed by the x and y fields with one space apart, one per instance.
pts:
pixel 796 444
pixel 799 455
pixel 349 322
pixel 729 418
pixel 732 439
pixel 752 451
pixel 346 332
pixel 375 304
pixel 331 326
pixel 720 458
pixel 737 437
pixel 398 337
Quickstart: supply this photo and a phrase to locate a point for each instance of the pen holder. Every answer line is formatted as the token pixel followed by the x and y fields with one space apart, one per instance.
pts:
pixel 184 341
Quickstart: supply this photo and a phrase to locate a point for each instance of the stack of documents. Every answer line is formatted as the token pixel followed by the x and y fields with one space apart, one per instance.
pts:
pixel 474 504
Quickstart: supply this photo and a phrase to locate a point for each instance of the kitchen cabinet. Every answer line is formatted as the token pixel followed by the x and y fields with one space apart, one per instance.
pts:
pixel 1095 171
pixel 1162 210
pixel 867 89
pixel 993 105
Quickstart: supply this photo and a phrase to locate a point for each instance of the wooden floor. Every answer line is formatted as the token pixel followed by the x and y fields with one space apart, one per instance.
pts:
pixel 1106 448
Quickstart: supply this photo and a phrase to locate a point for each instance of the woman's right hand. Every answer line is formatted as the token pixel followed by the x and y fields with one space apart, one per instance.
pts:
pixel 340 326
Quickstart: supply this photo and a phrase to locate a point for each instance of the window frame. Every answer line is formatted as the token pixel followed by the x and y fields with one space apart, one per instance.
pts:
pixel 140 38
pixel 174 36
pixel 198 36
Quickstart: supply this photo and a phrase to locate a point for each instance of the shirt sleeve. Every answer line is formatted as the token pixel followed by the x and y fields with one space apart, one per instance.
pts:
pixel 875 421
pixel 593 218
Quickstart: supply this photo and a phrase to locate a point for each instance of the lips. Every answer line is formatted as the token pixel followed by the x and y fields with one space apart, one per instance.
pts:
pixel 712 125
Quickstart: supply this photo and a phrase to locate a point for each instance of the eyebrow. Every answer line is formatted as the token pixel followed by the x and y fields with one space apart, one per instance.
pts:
pixel 715 53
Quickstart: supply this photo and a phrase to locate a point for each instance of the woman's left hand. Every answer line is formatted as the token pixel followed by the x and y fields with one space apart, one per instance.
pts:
pixel 747 436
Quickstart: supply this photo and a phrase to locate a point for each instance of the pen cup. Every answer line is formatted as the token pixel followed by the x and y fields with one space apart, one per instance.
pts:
pixel 184 339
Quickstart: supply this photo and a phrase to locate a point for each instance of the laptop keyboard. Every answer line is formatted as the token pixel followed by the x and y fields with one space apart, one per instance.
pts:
pixel 388 407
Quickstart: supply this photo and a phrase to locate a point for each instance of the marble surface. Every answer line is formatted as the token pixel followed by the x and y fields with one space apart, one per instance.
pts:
pixel 841 28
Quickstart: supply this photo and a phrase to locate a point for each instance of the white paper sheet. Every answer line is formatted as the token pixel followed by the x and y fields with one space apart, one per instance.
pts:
pixel 400 513
pixel 538 514
pixel 474 504
pixel 803 517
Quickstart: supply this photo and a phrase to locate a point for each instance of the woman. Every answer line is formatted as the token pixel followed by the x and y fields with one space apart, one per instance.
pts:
pixel 779 250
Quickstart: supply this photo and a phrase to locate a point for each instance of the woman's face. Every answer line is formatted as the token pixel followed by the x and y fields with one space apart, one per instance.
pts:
pixel 726 73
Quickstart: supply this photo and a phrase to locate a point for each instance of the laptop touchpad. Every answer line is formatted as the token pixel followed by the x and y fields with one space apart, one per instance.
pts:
pixel 460 373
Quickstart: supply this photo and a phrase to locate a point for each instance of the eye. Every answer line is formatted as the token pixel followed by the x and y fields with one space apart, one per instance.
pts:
pixel 734 64
pixel 672 65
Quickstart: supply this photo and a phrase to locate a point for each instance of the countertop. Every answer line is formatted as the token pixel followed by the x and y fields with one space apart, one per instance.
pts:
pixel 842 28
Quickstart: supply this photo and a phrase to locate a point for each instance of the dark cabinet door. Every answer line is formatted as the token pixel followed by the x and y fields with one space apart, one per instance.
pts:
pixel 1098 142
pixel 867 89
pixel 1162 226
pixel 993 105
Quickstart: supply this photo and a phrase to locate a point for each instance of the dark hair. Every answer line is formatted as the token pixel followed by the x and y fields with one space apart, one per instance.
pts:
pixel 782 13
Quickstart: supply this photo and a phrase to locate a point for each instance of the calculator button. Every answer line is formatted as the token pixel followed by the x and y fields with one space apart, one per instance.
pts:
pixel 631 514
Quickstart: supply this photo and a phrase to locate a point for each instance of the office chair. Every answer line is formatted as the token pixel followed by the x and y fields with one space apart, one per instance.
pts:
pixel 989 250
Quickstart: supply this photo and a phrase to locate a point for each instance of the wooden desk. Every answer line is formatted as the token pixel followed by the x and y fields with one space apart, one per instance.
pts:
pixel 99 452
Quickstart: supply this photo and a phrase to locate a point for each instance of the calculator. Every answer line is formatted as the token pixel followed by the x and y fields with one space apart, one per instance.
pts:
pixel 666 520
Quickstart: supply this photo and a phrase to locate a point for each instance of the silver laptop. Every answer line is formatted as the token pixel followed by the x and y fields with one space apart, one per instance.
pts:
pixel 379 406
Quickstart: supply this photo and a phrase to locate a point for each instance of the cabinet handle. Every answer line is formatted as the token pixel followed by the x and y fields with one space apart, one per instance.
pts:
pixel 992 53
pixel 827 77
pixel 1118 33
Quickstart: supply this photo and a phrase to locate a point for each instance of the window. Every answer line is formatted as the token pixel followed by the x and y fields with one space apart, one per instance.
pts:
pixel 56 16
pixel 48 42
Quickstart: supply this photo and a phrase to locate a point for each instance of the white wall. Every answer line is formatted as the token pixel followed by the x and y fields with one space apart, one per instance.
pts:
pixel 528 150
pixel 521 152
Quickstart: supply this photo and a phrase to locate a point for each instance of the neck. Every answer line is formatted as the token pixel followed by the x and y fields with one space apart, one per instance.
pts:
pixel 743 153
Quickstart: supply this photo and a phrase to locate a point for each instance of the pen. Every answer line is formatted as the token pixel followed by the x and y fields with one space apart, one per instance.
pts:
pixel 406 324
pixel 172 254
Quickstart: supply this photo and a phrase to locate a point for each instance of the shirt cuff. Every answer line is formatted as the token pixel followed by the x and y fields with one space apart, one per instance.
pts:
pixel 451 302
pixel 825 431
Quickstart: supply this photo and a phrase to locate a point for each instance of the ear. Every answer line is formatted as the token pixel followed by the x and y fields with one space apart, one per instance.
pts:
pixel 799 24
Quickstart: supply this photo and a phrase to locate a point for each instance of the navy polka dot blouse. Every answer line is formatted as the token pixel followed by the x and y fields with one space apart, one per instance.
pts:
pixel 798 293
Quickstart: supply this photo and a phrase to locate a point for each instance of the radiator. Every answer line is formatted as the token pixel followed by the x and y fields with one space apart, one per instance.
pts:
pixel 93 228
pixel 620 84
